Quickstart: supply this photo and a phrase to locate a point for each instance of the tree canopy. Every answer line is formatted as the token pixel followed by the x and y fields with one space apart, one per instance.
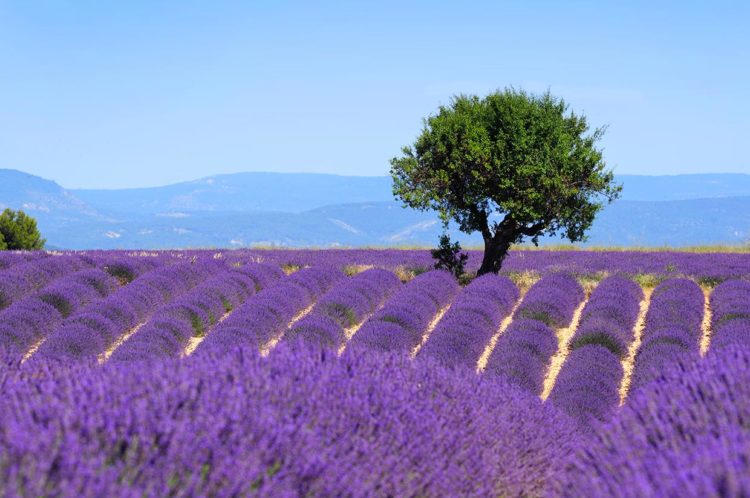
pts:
pixel 511 166
pixel 19 231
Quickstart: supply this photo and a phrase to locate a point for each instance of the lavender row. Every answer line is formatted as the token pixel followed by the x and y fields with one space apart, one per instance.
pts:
pixel 474 317
pixel 523 353
pixel 343 307
pixel 267 314
pixel 23 279
pixel 27 321
pixel 708 267
pixel 87 334
pixel 303 424
pixel 672 329
pixel 12 258
pixel 399 326
pixel 552 300
pixel 587 387
pixel 608 319
pixel 730 319
pixel 192 314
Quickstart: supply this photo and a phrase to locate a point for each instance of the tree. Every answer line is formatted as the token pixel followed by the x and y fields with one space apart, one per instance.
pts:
pixel 19 231
pixel 511 165
pixel 2 242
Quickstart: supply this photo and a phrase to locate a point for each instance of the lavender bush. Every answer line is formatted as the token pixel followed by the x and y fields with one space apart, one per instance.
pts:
pixel 552 300
pixel 85 335
pixel 267 314
pixel 344 306
pixel 467 327
pixel 672 330
pixel 523 353
pixel 190 315
pixel 730 306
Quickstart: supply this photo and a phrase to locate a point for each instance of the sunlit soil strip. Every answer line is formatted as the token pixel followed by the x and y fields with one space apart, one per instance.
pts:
pixel 193 342
pixel 629 361
pixel 119 342
pixel 524 283
pixel 490 347
pixel 429 329
pixel 265 350
pixel 564 335
pixel 706 323
pixel 32 350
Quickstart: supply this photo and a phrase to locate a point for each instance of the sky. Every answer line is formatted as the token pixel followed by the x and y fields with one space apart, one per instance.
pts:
pixel 143 93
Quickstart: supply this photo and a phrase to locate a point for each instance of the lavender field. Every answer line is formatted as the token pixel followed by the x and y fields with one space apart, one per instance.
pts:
pixel 365 373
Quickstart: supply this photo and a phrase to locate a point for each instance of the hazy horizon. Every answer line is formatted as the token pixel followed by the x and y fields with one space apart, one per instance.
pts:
pixel 142 94
pixel 68 187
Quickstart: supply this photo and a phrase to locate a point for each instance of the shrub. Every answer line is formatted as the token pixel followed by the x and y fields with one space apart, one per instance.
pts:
pixel 449 256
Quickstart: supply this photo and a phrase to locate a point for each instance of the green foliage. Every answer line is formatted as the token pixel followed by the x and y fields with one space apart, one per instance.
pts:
pixel 601 339
pixel 19 231
pixel 449 256
pixel 511 165
pixel 61 304
pixel 122 272
pixel 342 314
pixel 538 315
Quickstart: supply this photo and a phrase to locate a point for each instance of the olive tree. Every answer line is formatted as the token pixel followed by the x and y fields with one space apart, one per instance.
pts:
pixel 511 165
pixel 19 231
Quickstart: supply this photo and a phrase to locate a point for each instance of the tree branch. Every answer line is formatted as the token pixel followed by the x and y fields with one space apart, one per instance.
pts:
pixel 532 230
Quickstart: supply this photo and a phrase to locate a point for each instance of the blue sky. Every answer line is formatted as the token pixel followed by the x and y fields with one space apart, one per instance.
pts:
pixel 141 93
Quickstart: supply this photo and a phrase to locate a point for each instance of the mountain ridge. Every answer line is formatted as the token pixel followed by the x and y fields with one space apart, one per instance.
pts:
pixel 309 209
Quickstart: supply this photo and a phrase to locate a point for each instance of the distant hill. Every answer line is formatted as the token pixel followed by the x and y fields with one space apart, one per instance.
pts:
pixel 288 192
pixel 327 210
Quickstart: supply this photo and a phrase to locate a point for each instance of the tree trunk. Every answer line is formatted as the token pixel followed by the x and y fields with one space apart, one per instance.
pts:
pixel 495 250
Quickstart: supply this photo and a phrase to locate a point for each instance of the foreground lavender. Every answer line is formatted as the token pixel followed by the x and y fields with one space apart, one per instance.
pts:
pixel 684 435
pixel 299 423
